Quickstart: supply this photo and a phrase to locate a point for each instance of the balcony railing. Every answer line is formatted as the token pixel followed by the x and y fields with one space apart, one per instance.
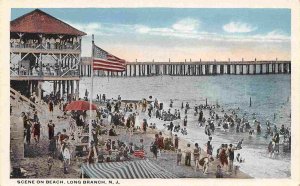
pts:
pixel 65 72
pixel 46 46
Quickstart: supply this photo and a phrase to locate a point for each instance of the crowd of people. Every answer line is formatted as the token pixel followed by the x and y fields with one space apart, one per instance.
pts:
pixel 115 116
pixel 45 69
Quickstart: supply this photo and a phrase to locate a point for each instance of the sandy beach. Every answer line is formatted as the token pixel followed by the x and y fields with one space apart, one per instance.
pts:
pixel 36 154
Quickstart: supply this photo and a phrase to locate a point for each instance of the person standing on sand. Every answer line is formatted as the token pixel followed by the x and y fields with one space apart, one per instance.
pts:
pixel 51 105
pixel 27 127
pixel 196 155
pixel 52 147
pixel 223 157
pixel 128 123
pixel 171 126
pixel 209 148
pixel 154 149
pixel 179 156
pixel 176 141
pixel 231 150
pixel 144 125
pixel 160 141
pixel 188 154
pixel 51 129
pixel 36 132
pixel 92 155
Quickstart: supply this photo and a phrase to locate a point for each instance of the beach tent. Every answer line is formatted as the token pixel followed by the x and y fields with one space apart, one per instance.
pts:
pixel 139 169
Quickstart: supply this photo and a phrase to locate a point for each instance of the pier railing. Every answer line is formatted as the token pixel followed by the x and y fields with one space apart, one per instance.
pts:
pixel 200 68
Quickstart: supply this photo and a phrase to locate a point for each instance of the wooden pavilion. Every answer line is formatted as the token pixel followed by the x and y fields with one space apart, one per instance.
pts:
pixel 44 48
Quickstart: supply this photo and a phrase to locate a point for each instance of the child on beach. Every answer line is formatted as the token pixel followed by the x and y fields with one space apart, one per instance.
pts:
pixel 219 173
pixel 50 163
pixel 239 159
pixel 179 156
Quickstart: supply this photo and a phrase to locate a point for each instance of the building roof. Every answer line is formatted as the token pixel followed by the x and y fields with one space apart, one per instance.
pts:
pixel 38 21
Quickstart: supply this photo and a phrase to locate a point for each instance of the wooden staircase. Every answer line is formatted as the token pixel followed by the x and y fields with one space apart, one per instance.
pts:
pixel 15 95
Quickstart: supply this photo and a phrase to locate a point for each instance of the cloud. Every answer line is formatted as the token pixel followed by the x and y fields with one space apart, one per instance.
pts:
pixel 186 25
pixel 238 27
pixel 142 29
pixel 179 35
pixel 181 28
pixel 277 35
pixel 89 28
pixel 95 28
pixel 186 28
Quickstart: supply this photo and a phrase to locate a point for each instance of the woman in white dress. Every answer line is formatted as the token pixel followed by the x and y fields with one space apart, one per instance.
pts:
pixel 67 155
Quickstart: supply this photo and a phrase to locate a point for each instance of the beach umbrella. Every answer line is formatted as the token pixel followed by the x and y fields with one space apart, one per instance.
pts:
pixel 80 105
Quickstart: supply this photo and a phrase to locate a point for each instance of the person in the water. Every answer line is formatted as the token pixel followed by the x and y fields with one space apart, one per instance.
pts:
pixel 239 145
pixel 282 130
pixel 258 128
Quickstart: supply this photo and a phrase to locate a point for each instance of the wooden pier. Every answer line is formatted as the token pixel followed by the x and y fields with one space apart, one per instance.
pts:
pixel 193 68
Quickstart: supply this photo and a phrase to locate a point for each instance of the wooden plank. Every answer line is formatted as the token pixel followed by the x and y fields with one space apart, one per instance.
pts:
pixel 43 78
pixel 43 51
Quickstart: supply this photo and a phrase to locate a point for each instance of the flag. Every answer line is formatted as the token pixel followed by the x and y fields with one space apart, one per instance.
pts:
pixel 103 60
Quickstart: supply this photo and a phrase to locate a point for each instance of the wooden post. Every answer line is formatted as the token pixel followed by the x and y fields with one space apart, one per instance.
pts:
pixel 228 69
pixel 234 66
pixel 63 87
pixel 139 70
pixel 241 69
pixel 68 87
pixel 248 69
pixel 222 69
pixel 261 68
pixel 279 68
pixel 72 88
pixel 39 91
pixel 77 89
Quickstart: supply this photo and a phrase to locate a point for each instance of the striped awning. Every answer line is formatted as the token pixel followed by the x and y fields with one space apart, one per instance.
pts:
pixel 139 169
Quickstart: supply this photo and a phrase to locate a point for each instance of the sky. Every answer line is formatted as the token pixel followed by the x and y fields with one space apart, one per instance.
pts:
pixel 160 34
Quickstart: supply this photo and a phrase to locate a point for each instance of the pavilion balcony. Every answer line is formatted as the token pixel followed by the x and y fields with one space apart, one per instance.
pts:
pixel 45 72
pixel 17 47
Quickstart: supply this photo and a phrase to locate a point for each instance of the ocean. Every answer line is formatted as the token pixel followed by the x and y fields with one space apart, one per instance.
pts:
pixel 270 94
